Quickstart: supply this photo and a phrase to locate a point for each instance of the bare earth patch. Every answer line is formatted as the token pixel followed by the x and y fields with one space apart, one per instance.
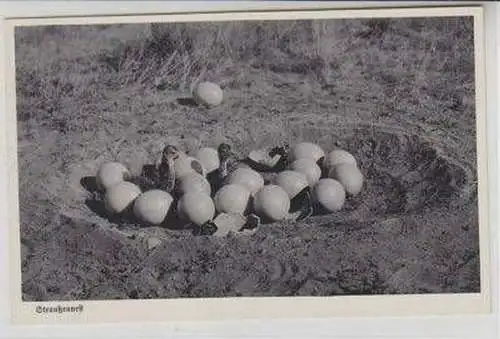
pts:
pixel 395 95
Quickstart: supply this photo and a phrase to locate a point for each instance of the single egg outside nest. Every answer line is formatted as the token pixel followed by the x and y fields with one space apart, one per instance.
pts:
pixel 208 94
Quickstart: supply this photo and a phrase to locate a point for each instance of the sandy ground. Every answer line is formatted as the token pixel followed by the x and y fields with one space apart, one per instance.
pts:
pixel 398 94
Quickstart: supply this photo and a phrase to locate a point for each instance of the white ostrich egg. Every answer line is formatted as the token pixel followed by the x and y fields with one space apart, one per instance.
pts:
pixel 307 150
pixel 209 158
pixel 207 94
pixel 350 176
pixel 232 198
pixel 186 164
pixel 309 168
pixel 153 206
pixel 273 202
pixel 196 207
pixel 111 173
pixel 194 182
pixel 247 177
pixel 337 157
pixel 330 194
pixel 120 196
pixel 292 182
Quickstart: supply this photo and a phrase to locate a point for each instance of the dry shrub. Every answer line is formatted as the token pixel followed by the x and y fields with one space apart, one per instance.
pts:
pixel 179 54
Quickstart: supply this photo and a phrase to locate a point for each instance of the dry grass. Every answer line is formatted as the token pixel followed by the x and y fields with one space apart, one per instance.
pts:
pixel 389 90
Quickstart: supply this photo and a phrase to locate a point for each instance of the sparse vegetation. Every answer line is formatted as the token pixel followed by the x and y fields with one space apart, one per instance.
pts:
pixel 397 93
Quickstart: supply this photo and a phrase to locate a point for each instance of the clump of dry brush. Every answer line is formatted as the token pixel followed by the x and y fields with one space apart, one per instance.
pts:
pixel 176 55
pixel 179 54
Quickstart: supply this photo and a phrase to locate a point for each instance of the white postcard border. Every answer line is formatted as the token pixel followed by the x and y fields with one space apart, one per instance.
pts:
pixel 271 307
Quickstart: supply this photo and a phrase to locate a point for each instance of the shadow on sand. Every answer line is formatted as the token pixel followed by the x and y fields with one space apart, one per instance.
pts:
pixel 187 101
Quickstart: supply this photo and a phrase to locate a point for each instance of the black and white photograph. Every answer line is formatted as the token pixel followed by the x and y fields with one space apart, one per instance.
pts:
pixel 323 157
